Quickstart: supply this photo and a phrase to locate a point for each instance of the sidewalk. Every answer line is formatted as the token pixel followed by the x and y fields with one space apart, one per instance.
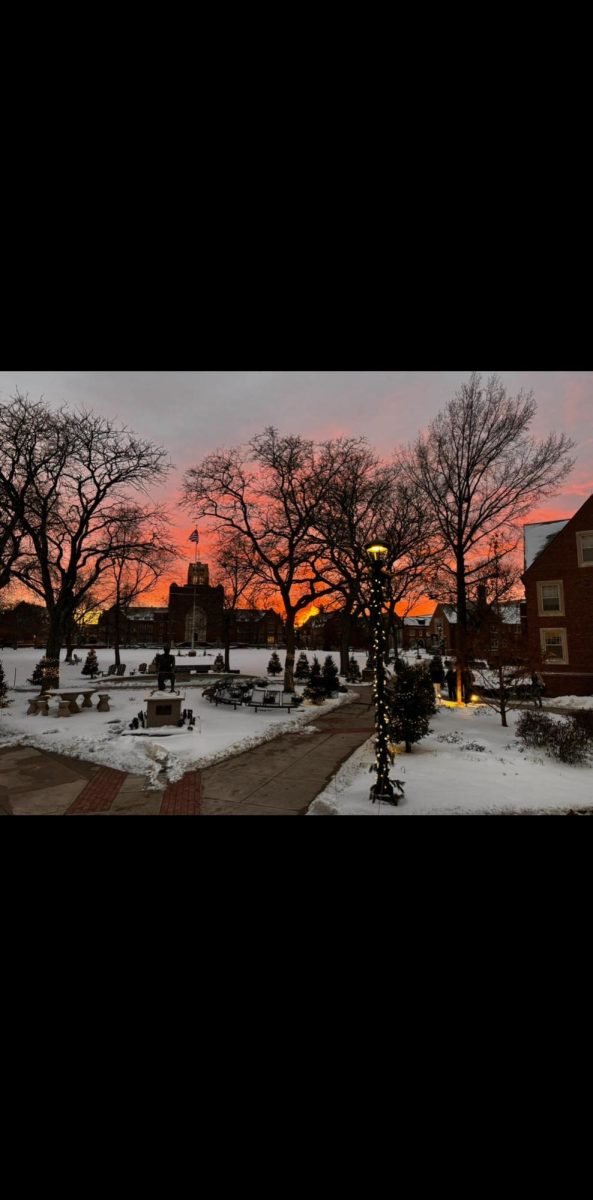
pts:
pixel 279 777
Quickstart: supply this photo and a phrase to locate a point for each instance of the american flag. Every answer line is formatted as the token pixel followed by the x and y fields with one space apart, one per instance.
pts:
pixel 194 537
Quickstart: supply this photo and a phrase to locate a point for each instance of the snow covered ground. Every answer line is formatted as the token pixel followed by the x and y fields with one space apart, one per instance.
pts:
pixel 468 764
pixel 105 738
pixel 442 775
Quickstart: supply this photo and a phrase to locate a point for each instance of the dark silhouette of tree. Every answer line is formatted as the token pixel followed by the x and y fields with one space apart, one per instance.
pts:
pixel 270 492
pixel 141 553
pixel 480 472
pixel 80 470
pixel 240 581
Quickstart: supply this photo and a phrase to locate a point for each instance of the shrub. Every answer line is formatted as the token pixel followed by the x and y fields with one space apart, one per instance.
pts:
pixel 274 665
pixel 535 729
pixel 353 670
pixel 411 702
pixel 570 743
pixel 2 686
pixel 302 668
pixel 330 676
pixel 584 720
pixel 218 664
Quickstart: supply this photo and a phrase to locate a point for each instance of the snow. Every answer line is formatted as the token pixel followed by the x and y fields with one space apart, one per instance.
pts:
pixel 537 536
pixel 447 774
pixel 105 737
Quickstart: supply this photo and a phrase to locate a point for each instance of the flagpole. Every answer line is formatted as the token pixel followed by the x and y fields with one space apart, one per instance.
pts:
pixel 193 621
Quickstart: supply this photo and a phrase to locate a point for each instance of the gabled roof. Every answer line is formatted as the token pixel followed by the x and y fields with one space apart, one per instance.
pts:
pixel 537 537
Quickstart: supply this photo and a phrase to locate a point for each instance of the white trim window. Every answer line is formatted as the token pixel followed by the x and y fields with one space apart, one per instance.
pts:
pixel 550 598
pixel 585 547
pixel 554 646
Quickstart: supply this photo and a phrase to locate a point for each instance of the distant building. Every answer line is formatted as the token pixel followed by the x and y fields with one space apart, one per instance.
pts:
pixel 558 582
pixel 137 626
pixel 196 609
pixel 257 627
pixel 24 624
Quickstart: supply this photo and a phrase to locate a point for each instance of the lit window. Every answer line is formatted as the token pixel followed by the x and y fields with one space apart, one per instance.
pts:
pixel 585 548
pixel 550 597
pixel 554 647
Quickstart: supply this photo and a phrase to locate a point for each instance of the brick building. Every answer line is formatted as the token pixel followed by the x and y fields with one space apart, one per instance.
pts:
pixel 257 627
pixel 196 608
pixel 24 624
pixel 558 582
pixel 138 626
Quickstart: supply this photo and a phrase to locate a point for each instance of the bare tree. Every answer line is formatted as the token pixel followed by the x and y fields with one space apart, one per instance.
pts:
pixel 141 552
pixel 23 447
pixel 80 469
pixel 238 576
pixel 492 632
pixel 270 492
pixel 365 500
pixel 481 472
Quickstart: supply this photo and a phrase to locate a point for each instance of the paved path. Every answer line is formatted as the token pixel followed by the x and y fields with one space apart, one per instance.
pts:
pixel 280 777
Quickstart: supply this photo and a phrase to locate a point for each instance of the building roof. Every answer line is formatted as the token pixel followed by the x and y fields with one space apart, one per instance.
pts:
pixel 538 536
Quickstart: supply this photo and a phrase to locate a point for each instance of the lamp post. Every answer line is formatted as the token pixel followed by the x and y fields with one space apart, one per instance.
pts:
pixel 383 789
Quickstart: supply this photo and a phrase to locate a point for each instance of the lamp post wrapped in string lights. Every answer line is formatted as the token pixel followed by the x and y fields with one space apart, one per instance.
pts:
pixel 383 789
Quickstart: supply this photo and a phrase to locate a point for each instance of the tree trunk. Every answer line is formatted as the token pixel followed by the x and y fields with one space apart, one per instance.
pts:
pixel 227 640
pixel 503 707
pixel 70 635
pixel 116 634
pixel 408 747
pixel 290 652
pixel 461 627
pixel 345 642
pixel 55 637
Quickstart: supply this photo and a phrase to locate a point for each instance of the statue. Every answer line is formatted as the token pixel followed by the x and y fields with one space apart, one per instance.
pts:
pixel 165 664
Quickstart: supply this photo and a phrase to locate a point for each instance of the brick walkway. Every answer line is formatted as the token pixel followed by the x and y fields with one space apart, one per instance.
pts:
pixel 182 799
pixel 99 794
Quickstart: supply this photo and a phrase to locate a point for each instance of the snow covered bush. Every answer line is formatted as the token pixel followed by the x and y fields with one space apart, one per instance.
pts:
pixel 584 720
pixel 274 665
pixel 535 729
pixel 570 743
pixel 567 741
pixel 218 664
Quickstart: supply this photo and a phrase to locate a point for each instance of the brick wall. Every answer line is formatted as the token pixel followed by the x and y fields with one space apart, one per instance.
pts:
pixel 560 561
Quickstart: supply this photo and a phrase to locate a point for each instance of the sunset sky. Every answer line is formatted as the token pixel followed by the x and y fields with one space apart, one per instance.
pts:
pixel 194 412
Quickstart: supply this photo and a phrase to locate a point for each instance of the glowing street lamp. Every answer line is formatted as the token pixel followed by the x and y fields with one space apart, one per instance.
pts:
pixel 383 789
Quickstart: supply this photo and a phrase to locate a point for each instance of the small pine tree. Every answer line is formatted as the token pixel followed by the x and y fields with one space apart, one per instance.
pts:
pixel 315 672
pixel 353 670
pixel 274 665
pixel 38 676
pixel 218 664
pixel 411 703
pixel 91 665
pixel 302 670
pixel 330 676
pixel 3 689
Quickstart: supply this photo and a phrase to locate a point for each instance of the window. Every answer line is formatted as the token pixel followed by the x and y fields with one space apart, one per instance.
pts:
pixel 550 598
pixel 585 548
pixel 553 644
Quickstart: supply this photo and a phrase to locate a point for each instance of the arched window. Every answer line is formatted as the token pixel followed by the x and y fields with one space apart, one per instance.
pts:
pixel 200 625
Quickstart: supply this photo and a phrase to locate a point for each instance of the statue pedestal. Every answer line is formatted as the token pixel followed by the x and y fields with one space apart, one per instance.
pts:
pixel 163 708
